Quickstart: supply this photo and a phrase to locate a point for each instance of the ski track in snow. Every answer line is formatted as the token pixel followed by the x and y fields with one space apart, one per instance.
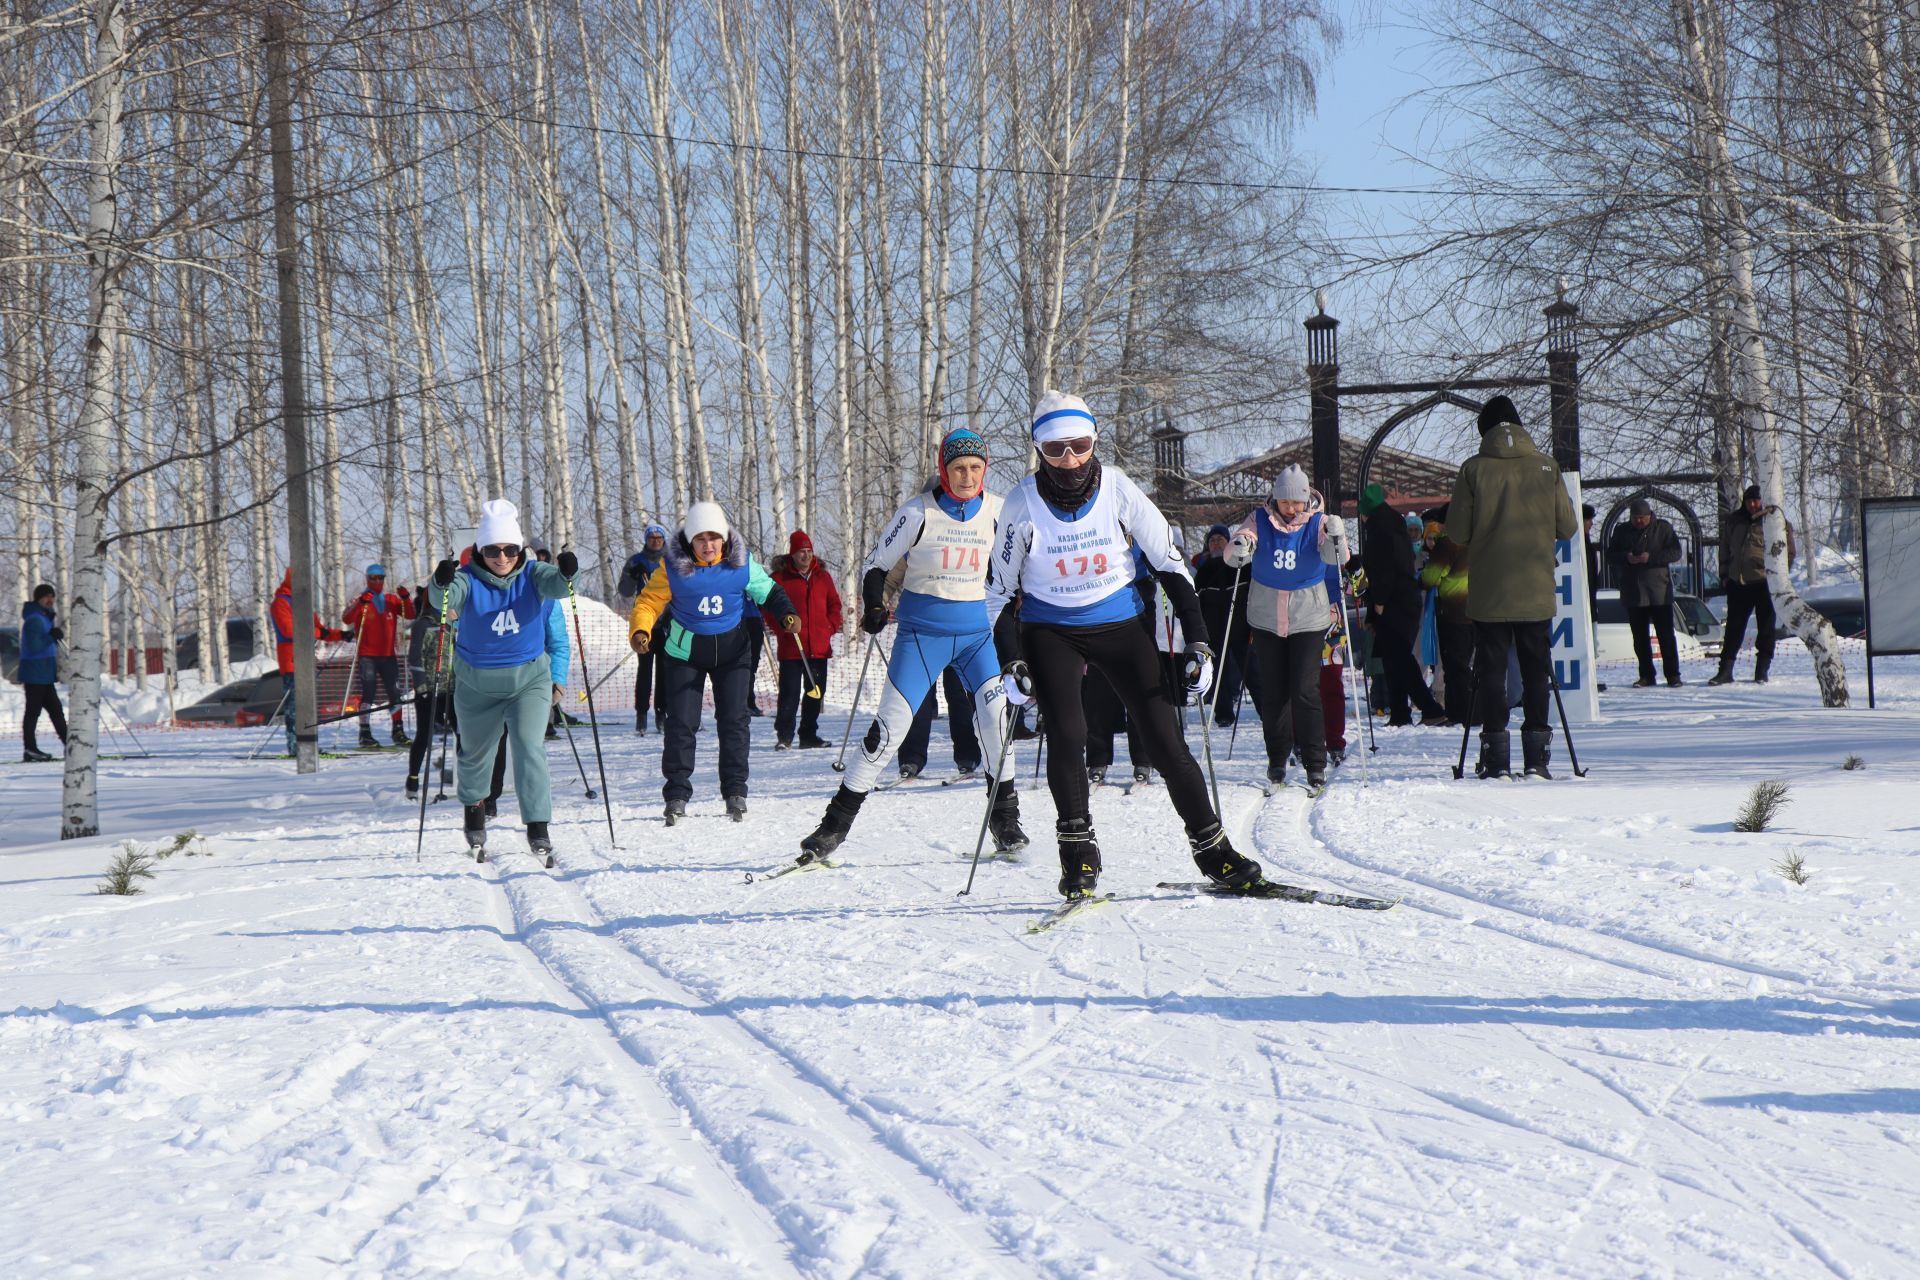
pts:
pixel 1598 1036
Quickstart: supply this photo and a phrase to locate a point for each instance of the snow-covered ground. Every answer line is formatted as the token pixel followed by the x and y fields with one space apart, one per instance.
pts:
pixel 1600 1036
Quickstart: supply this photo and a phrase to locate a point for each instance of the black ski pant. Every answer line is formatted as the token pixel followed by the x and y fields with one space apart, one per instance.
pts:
pixel 1404 682
pixel 1744 600
pixel 966 740
pixel 42 697
pixel 793 698
pixel 1456 659
pixel 1291 715
pixel 1123 652
pixel 1107 716
pixel 723 661
pixel 1529 642
pixel 1239 665
pixel 386 673
pixel 1660 618
pixel 427 721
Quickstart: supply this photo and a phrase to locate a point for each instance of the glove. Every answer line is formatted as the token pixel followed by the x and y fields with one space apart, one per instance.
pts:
pixel 443 573
pixel 874 620
pixel 568 563
pixel 56 633
pixel 1199 672
pixel 791 625
pixel 1017 681
pixel 642 642
pixel 1240 550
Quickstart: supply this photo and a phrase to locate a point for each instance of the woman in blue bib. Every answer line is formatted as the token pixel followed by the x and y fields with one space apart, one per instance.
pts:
pixel 705 582
pixel 497 606
pixel 1289 543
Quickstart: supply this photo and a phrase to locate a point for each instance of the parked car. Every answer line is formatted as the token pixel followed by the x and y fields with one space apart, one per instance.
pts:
pixel 240 646
pixel 1613 639
pixel 1697 620
pixel 254 701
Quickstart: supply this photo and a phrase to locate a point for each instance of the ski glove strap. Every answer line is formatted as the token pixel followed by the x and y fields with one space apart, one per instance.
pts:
pixel 1018 683
pixel 1198 669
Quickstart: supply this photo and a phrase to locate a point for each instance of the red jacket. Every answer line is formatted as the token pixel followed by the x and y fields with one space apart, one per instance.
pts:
pixel 377 626
pixel 281 612
pixel 816 600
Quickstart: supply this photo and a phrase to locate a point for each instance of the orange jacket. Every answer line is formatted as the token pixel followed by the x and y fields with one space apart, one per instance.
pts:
pixel 281 612
pixel 378 624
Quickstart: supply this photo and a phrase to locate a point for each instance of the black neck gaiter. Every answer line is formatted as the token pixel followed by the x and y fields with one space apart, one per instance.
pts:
pixel 1067 489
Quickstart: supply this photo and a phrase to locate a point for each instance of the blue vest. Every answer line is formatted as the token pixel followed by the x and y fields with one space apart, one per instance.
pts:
pixel 1288 561
pixel 709 600
pixel 501 627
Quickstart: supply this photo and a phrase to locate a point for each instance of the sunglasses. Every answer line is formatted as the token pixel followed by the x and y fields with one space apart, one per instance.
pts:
pixel 1079 447
pixel 503 551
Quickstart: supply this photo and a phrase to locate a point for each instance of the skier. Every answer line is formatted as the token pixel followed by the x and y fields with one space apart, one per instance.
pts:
pixel 702 592
pixel 639 570
pixel 804 658
pixel 497 606
pixel 559 660
pixel 945 539
pixel 430 670
pixel 1288 545
pixel 376 614
pixel 39 667
pixel 280 613
pixel 1063 544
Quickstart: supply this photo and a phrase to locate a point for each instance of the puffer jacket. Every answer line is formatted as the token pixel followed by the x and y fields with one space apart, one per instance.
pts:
pixel 1508 511
pixel 1445 575
pixel 1743 549
pixel 817 599
pixel 1287 613
pixel 39 652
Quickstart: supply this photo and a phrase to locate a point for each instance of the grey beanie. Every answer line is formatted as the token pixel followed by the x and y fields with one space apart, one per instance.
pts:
pixel 1291 485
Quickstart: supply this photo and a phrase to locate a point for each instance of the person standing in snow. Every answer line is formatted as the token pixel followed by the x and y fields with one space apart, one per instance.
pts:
pixel 559 661
pixel 376 615
pixel 1639 553
pixel 1333 657
pixel 1509 508
pixel 430 671
pixel 1743 567
pixel 40 638
pixel 945 539
pixel 1064 545
pixel 1445 575
pixel 1287 546
pixel 702 593
pixel 497 605
pixel 804 658
pixel 639 570
pixel 280 613
pixel 1394 610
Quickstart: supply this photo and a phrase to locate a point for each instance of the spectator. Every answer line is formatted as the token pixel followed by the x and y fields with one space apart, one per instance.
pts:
pixel 40 638
pixel 1393 609
pixel 1639 554
pixel 804 658
pixel 1509 508
pixel 1333 694
pixel 1223 607
pixel 1743 567
pixel 640 567
pixel 376 615
pixel 1445 575
pixel 280 613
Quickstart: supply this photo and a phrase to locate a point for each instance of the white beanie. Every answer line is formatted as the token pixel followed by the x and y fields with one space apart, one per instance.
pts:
pixel 1061 416
pixel 704 517
pixel 1291 485
pixel 499 525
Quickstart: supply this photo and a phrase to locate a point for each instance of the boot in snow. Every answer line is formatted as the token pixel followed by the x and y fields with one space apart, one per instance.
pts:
pixel 476 829
pixel 1535 746
pixel 33 755
pixel 1095 777
pixel 737 808
pixel 493 808
pixel 1079 857
pixel 538 843
pixel 1003 820
pixel 676 810
pixel 413 786
pixel 1722 676
pixel 834 825
pixel 1496 755
pixel 1220 862
pixel 366 737
pixel 400 738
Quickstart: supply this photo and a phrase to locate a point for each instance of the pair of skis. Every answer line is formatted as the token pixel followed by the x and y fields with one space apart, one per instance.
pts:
pixel 1268 889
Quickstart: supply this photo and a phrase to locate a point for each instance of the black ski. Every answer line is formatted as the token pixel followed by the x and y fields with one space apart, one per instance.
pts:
pixel 1284 892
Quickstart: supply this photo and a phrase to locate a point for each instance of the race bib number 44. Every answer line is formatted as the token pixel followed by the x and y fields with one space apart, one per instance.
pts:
pixel 505 624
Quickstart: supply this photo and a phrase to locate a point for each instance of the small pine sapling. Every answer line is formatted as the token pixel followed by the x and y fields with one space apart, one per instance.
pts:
pixel 130 865
pixel 1794 867
pixel 180 841
pixel 1763 805
pixel 1853 762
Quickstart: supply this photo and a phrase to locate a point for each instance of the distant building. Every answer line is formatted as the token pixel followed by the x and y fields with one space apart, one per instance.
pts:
pixel 1413 482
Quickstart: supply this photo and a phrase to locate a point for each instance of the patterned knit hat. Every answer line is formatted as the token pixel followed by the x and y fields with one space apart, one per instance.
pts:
pixel 961 442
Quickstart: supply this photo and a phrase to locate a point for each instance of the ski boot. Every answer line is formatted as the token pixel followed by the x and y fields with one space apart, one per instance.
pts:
pixel 676 810
pixel 1220 862
pixel 815 743
pixel 1317 778
pixel 834 825
pixel 1535 745
pixel 1496 755
pixel 737 808
pixel 476 831
pixel 1096 777
pixel 493 807
pixel 640 723
pixel 1336 757
pixel 400 738
pixel 1276 779
pixel 1759 675
pixel 1079 857
pixel 1003 820
pixel 538 844
pixel 33 755
pixel 1142 776
pixel 908 772
pixel 784 744
pixel 366 737
pixel 413 786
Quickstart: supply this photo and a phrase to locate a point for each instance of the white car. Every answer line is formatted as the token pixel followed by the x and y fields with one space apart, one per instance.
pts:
pixel 1613 639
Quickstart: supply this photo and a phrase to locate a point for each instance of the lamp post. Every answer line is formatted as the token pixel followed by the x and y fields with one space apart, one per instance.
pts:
pixel 1563 374
pixel 1323 391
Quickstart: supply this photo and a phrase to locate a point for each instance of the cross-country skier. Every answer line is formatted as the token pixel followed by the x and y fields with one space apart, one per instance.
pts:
pixel 376 614
pixel 430 668
pixel 707 582
pixel 497 603
pixel 280 613
pixel 1287 545
pixel 1063 543
pixel 559 650
pixel 945 539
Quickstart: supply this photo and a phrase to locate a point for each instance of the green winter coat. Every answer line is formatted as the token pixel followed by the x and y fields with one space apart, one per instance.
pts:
pixel 1509 508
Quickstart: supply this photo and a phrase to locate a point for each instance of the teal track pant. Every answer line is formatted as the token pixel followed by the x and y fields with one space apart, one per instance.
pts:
pixel 521 698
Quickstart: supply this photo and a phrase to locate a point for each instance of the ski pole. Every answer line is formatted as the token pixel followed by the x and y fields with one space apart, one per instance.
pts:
pixel 1226 648
pixel 840 761
pixel 591 793
pixel 272 722
pixel 1473 703
pixel 586 689
pixel 446 775
pixel 593 718
pixel 1578 772
pixel 1213 779
pixel 1353 685
pixel 1025 683
pixel 433 710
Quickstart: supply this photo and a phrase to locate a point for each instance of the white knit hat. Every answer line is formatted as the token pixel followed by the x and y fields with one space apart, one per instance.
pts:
pixel 1291 485
pixel 1061 416
pixel 499 525
pixel 704 517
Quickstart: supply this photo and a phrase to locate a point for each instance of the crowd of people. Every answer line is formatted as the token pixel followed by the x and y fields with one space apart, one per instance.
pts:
pixel 1065 608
